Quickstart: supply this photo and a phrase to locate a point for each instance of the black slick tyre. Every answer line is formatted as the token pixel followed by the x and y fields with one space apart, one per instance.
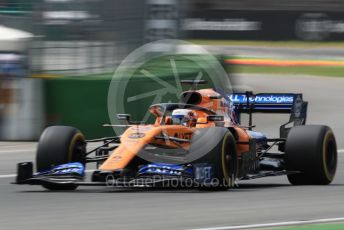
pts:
pixel 59 145
pixel 311 150
pixel 220 153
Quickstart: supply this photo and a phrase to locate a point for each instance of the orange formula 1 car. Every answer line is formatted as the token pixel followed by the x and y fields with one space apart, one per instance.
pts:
pixel 199 142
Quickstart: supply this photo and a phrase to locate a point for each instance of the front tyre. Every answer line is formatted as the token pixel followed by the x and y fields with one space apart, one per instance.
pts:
pixel 59 145
pixel 222 155
pixel 312 150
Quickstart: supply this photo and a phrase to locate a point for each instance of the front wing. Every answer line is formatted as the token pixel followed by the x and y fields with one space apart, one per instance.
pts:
pixel 152 175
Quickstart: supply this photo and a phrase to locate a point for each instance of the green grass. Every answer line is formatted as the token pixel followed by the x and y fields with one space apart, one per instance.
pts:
pixel 292 44
pixel 316 71
pixel 334 226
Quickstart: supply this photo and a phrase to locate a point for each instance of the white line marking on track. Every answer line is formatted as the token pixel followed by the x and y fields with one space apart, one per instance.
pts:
pixel 15 146
pixel 7 176
pixel 341 150
pixel 13 175
pixel 17 150
pixel 278 224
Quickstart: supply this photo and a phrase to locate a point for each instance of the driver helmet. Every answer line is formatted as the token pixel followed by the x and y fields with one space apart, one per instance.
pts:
pixel 184 117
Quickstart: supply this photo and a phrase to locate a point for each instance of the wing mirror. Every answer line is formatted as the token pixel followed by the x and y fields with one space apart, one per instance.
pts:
pixel 124 117
pixel 215 118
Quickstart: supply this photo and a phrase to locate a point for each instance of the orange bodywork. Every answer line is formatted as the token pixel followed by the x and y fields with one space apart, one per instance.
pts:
pixel 135 138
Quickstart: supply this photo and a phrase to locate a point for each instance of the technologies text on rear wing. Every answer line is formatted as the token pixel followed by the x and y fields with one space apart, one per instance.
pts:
pixel 280 103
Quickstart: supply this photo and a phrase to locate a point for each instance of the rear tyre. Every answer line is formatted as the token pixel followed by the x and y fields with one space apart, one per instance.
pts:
pixel 312 150
pixel 59 145
pixel 222 155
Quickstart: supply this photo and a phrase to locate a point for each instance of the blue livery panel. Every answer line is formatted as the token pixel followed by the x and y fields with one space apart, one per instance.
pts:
pixel 165 169
pixel 74 168
pixel 264 102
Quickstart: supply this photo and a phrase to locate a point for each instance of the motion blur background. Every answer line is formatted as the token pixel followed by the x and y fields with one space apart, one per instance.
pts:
pixel 57 57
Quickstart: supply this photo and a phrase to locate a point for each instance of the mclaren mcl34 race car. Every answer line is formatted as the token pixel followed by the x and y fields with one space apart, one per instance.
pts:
pixel 198 142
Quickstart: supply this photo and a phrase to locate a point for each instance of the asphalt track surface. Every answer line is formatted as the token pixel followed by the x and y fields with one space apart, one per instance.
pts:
pixel 254 202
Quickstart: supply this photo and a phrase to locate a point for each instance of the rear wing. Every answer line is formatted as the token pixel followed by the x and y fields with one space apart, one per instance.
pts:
pixel 265 102
pixel 285 103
